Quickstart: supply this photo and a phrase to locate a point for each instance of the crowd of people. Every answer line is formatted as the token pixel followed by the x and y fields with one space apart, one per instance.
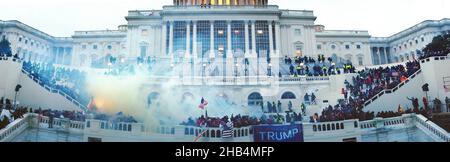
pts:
pixel 71 82
pixel 308 66
pixel 340 112
pixel 71 115
pixel 370 82
pixel 9 113
pixel 240 121
pixel 440 46
pixel 120 117
pixel 367 84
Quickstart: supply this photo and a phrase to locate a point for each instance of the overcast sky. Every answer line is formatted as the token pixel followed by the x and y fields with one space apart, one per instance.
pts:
pixel 379 17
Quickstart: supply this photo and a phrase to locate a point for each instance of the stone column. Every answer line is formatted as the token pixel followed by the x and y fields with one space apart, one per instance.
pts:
pixel 188 39
pixel 247 41
pixel 386 55
pixel 271 50
pixel 253 38
pixel 229 46
pixel 163 39
pixel 194 39
pixel 379 55
pixel 171 39
pixel 277 38
pixel 211 50
pixel 63 56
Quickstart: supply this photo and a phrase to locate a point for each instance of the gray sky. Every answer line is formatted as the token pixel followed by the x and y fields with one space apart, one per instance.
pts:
pixel 379 17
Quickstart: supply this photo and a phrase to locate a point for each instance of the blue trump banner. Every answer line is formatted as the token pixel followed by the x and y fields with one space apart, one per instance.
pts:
pixel 278 133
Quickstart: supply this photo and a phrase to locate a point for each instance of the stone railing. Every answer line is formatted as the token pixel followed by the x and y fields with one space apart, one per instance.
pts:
pixel 384 122
pixel 61 124
pixel 436 58
pixel 216 7
pixel 252 80
pixel 32 120
pixel 216 132
pixel 14 129
pixel 432 129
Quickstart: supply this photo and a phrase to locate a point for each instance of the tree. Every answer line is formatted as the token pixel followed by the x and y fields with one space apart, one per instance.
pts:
pixel 439 45
pixel 5 48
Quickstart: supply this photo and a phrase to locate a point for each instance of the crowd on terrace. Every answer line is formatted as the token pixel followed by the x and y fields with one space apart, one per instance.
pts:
pixel 243 121
pixel 69 81
pixel 367 84
pixel 308 66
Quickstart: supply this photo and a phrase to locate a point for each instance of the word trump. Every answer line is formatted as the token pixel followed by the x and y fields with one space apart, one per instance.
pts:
pixel 279 133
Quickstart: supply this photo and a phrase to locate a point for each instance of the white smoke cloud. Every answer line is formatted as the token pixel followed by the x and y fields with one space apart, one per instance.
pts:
pixel 174 104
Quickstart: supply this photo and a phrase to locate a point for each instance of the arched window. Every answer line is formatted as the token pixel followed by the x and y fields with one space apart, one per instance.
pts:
pixel 288 96
pixel 298 47
pixel 348 58
pixel 94 60
pixel 143 49
pixel 255 99
pixel 334 57
pixel 222 98
pixel 151 98
pixel 360 59
pixel 82 59
pixel 187 96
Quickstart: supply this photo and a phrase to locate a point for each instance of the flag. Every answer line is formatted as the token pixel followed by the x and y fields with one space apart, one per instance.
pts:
pixel 91 106
pixel 203 104
pixel 228 130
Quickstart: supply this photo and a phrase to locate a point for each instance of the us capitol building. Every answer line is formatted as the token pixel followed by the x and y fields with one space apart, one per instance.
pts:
pixel 230 50
pixel 220 31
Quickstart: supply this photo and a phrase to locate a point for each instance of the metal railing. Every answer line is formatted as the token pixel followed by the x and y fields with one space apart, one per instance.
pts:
pixel 50 89
pixel 391 90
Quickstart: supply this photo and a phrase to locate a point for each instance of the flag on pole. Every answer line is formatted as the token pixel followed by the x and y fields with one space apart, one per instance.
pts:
pixel 228 130
pixel 203 104
pixel 91 105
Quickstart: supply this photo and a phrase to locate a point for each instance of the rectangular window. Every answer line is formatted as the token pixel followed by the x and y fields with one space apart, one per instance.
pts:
pixel 360 61
pixel 319 47
pixel 298 32
pixel 347 46
pixel 358 46
pixel 20 39
pixel 94 47
pixel 203 37
pixel 83 46
pixel 144 32
pixel 143 51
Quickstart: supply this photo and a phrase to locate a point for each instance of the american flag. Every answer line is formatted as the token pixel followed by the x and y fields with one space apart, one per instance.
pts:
pixel 203 104
pixel 228 130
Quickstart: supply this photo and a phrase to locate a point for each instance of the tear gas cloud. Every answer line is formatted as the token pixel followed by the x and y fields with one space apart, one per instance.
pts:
pixel 173 105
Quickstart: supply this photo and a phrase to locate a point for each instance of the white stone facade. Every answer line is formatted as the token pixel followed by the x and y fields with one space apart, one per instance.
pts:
pixel 148 34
